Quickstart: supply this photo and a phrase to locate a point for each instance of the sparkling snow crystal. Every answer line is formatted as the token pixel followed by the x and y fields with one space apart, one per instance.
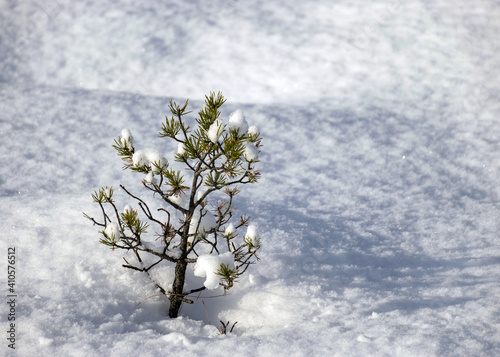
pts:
pixel 207 266
pixel 238 122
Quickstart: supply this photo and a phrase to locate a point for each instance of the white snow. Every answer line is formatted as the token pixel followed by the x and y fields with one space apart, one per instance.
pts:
pixel 251 152
pixel 127 208
pixel 112 230
pixel 126 138
pixel 149 157
pixel 215 131
pixel 253 130
pixel 202 221
pixel 230 230
pixel 181 200
pixel 252 235
pixel 181 150
pixel 207 265
pixel 378 205
pixel 139 158
pixel 150 178
pixel 238 122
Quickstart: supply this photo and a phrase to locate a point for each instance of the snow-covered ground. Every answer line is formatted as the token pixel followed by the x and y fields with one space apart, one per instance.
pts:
pixel 378 206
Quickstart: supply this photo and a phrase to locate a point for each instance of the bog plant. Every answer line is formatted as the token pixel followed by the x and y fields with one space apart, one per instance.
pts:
pixel 189 227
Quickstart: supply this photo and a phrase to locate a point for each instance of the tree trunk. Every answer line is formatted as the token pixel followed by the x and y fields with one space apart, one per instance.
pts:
pixel 176 297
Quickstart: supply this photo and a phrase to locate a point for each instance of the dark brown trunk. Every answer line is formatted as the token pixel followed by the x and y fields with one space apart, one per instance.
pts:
pixel 176 297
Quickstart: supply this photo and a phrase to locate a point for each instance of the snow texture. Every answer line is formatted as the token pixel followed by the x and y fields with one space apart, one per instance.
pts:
pixel 150 178
pixel 379 201
pixel 207 266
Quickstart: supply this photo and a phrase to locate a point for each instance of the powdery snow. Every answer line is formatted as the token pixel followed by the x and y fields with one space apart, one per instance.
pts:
pixel 253 130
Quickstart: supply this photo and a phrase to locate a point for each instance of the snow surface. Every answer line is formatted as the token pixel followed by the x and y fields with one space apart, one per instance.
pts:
pixel 378 208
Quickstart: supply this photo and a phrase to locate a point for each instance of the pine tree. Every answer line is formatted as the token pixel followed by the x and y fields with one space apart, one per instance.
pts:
pixel 217 157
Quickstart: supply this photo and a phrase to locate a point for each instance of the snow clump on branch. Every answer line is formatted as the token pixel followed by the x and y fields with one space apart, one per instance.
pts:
pixel 207 266
pixel 238 122
pixel 112 230
pixel 149 157
pixel 215 131
pixel 251 152
pixel 252 237
pixel 127 139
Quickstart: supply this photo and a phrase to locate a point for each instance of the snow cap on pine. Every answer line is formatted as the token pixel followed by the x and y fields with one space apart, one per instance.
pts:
pixel 147 157
pixel 207 265
pixel 251 152
pixel 156 159
pixel 230 230
pixel 126 138
pixel 252 235
pixel 215 131
pixel 150 178
pixel 253 130
pixel 238 122
pixel 112 230
pixel 181 150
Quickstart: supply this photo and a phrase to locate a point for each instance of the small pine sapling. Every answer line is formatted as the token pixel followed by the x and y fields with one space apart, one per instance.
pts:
pixel 217 156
